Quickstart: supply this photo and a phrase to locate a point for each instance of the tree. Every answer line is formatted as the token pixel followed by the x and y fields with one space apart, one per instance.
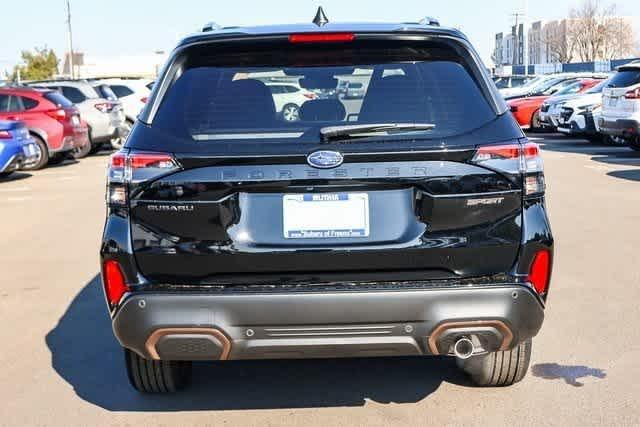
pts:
pixel 40 64
pixel 599 34
pixel 556 37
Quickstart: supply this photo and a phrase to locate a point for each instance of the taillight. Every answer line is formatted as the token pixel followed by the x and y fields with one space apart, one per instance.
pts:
pixel 104 107
pixel 5 134
pixel 144 100
pixel 514 159
pixel 540 271
pixel 114 282
pixel 310 95
pixel 321 37
pixel 58 114
pixel 633 94
pixel 127 168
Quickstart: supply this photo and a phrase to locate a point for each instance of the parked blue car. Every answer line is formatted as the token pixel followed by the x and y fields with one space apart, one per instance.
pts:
pixel 17 147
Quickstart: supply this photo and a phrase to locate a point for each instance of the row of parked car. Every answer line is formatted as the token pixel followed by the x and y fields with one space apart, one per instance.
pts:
pixel 45 122
pixel 600 107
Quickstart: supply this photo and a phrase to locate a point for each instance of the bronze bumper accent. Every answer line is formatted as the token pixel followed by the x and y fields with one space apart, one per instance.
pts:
pixel 153 339
pixel 507 335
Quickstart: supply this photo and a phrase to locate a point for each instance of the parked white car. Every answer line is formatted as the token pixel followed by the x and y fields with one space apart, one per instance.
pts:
pixel 574 115
pixel 288 99
pixel 621 105
pixel 133 93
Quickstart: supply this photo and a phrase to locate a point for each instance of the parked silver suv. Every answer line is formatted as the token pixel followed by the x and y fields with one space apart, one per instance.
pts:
pixel 104 117
pixel 621 105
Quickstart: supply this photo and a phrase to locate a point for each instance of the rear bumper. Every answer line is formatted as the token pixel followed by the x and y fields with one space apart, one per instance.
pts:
pixel 290 325
pixel 618 127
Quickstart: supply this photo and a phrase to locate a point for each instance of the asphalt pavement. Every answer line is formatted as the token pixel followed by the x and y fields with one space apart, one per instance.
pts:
pixel 60 365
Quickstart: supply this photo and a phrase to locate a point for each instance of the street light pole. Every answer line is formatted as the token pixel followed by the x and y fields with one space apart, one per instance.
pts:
pixel 70 36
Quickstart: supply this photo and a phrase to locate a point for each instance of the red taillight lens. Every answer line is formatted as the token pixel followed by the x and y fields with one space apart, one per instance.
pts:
pixel 633 94
pixel 104 107
pixel 310 95
pixel 149 160
pixel 501 152
pixel 5 134
pixel 144 100
pixel 118 160
pixel 114 282
pixel 540 271
pixel 321 38
pixel 515 158
pixel 59 114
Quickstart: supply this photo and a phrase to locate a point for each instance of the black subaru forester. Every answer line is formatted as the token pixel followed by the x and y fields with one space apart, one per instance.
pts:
pixel 409 221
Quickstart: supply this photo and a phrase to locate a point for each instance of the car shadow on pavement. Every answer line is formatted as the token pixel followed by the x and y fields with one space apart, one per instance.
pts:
pixel 570 374
pixel 15 176
pixel 629 175
pixel 85 353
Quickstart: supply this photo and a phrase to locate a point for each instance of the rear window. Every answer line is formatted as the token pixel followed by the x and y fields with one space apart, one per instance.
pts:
pixel 58 99
pixel 104 91
pixel 121 91
pixel 625 78
pixel 228 95
pixel 72 94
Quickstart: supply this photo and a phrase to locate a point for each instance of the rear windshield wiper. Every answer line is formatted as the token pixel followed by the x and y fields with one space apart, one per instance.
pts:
pixel 335 132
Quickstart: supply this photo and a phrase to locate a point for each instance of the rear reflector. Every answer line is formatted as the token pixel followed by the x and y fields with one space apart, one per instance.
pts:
pixel 114 283
pixel 321 37
pixel 540 272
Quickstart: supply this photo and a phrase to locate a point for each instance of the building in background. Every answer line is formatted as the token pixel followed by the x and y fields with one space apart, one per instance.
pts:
pixel 85 65
pixel 563 41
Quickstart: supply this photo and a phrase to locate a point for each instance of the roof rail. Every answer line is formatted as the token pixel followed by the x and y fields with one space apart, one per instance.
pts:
pixel 210 26
pixel 428 20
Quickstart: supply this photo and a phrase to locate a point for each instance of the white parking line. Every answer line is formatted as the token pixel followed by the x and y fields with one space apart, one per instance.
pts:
pixel 14 190
pixel 19 199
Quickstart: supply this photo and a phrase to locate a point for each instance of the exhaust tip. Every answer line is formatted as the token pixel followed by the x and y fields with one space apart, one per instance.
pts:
pixel 463 348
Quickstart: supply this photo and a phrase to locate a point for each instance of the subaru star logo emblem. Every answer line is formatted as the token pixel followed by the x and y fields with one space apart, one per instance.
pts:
pixel 325 159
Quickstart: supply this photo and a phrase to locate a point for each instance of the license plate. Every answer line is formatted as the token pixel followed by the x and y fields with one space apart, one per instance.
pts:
pixel 613 102
pixel 325 216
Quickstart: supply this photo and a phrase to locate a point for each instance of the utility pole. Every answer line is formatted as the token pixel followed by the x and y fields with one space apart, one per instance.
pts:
pixel 516 42
pixel 70 35
pixel 526 37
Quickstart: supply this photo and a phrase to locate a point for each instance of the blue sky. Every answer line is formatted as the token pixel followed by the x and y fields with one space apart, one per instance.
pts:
pixel 115 27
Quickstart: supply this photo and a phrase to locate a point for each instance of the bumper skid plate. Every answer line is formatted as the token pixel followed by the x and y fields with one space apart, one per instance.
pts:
pixel 324 325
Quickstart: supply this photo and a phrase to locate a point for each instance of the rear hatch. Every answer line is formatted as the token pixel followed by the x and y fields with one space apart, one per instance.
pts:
pixel 223 190
pixel 621 97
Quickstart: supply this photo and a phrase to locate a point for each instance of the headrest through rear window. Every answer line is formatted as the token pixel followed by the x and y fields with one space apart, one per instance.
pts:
pixel 322 110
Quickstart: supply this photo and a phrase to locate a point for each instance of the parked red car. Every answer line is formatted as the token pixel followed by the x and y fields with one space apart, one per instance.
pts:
pixel 52 120
pixel 526 110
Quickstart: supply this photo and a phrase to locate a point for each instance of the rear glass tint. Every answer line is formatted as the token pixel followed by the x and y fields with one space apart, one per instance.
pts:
pixel 236 96
pixel 58 99
pixel 625 78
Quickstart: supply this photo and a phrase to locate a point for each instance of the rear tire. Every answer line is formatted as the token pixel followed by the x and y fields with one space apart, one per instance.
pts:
pixel 634 143
pixel 43 156
pixel 536 125
pixel 82 152
pixel 156 376
pixel 5 174
pixel 500 368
